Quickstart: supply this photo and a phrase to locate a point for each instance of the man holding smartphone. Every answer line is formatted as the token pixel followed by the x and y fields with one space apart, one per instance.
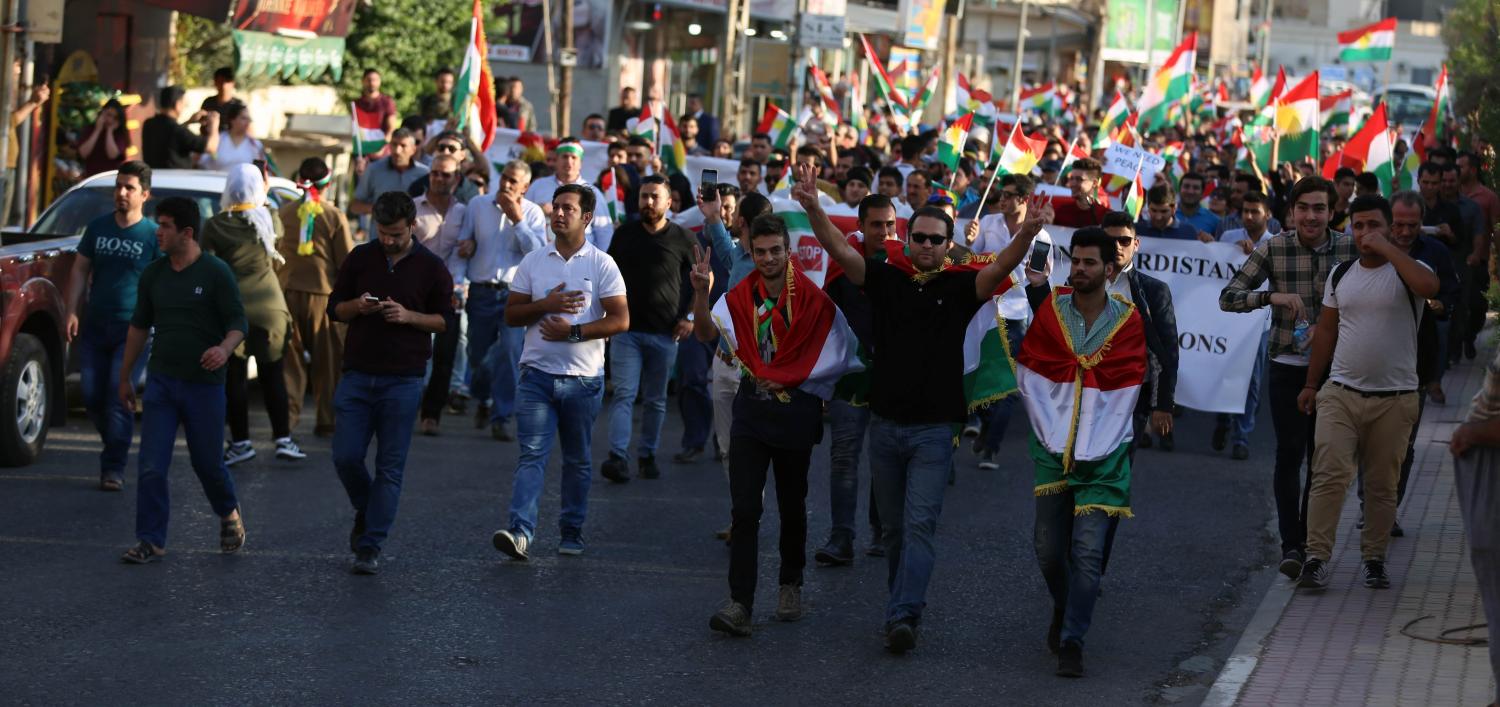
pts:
pixel 394 294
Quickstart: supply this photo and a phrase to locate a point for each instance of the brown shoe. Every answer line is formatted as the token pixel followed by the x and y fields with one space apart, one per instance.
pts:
pixel 429 427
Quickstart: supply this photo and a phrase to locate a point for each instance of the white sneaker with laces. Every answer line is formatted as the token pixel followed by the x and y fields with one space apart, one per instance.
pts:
pixel 286 448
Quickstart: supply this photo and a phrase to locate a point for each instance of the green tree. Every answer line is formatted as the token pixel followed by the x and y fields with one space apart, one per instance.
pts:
pixel 407 41
pixel 1470 31
pixel 202 46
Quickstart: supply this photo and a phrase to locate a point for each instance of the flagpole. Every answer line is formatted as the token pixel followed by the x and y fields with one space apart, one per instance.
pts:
pixel 984 198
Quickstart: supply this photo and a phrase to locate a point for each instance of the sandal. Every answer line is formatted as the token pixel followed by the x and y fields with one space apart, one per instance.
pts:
pixel 110 483
pixel 141 554
pixel 232 534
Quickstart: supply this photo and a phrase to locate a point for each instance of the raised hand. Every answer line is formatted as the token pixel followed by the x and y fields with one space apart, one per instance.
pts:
pixel 805 191
pixel 703 271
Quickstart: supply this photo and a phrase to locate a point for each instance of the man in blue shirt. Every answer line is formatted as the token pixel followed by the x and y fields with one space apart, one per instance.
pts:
pixel 111 255
pixel 1161 216
pixel 394 173
pixel 1190 204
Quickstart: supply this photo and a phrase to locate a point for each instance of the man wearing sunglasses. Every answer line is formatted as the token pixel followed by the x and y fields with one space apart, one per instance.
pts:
pixel 922 303
pixel 452 144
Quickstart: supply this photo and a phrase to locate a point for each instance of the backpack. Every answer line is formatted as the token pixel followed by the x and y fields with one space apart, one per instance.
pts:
pixel 1427 344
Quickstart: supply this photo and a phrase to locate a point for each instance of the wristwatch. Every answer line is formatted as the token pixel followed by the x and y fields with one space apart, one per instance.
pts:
pixel 575 334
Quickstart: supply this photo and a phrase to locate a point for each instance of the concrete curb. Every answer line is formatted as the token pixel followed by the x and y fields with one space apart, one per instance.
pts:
pixel 1240 664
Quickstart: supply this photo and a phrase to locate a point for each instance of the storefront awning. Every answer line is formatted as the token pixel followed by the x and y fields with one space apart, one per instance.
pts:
pixel 261 53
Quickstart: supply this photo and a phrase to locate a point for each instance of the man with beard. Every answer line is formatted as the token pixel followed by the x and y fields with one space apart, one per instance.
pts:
pixel 793 345
pixel 1080 371
pixel 394 294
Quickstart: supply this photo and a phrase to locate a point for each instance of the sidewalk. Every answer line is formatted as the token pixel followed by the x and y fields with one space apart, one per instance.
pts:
pixel 1345 647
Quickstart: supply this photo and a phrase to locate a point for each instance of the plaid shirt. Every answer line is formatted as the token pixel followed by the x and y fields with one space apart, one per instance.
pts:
pixel 1290 267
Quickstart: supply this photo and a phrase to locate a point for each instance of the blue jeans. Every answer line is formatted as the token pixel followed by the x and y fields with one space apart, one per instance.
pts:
pixel 494 351
pixel 1070 551
pixel 846 424
pixel 1000 412
pixel 383 407
pixel 695 361
pixel 199 409
pixel 639 363
pixel 549 406
pixel 909 467
pixel 1242 425
pixel 460 379
pixel 101 352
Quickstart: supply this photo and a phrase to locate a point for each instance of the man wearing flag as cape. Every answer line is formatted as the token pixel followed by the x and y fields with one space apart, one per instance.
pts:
pixel 922 303
pixel 791 345
pixel 1080 371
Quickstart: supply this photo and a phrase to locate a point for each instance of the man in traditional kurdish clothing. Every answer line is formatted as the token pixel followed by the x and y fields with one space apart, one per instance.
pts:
pixel 1080 371
pixel 791 344
pixel 924 301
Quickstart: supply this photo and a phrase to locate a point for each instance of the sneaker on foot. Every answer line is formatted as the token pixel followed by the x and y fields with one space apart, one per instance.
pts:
pixel 500 431
pixel 789 603
pixel 733 619
pixel 647 468
pixel 1314 575
pixel 836 552
pixel 286 448
pixel 971 431
pixel 1240 452
pixel 366 561
pixel 1070 660
pixel 238 452
pixel 1375 576
pixel 512 543
pixel 987 461
pixel 615 468
pixel 571 543
pixel 901 636
pixel 1291 564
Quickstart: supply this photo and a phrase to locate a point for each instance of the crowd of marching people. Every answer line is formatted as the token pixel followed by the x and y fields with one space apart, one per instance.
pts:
pixel 533 291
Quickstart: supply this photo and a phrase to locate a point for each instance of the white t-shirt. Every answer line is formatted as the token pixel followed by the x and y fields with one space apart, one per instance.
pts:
pixel 1377 346
pixel 230 154
pixel 993 237
pixel 590 271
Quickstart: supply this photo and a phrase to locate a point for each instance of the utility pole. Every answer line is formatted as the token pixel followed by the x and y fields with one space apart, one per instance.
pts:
pixel 798 63
pixel 8 90
pixel 569 58
pixel 1015 79
pixel 1265 36
pixel 549 47
pixel 726 94
pixel 950 48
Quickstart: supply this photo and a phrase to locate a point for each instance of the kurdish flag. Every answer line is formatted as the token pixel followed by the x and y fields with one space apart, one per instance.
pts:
pixel 643 125
pixel 779 125
pixel 1260 89
pixel 825 92
pixel 1370 150
pixel 814 344
pixel 882 79
pixel 369 133
pixel 1041 99
pixel 1114 119
pixel 857 111
pixel 1297 116
pixel 1135 199
pixel 474 91
pixel 1080 405
pixel 1075 152
pixel 951 143
pixel 925 97
pixel 614 197
pixel 1267 112
pixel 673 154
pixel 1371 43
pixel 1169 86
pixel 1019 154
pixel 1432 130
pixel 1335 109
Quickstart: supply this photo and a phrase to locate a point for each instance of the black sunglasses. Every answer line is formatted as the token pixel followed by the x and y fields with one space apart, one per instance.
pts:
pixel 928 238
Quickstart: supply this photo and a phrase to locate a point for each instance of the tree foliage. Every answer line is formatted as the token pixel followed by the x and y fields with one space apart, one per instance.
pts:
pixel 407 41
pixel 202 45
pixel 1471 31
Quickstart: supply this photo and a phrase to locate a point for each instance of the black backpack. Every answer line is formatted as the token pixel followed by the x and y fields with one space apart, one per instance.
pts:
pixel 1427 344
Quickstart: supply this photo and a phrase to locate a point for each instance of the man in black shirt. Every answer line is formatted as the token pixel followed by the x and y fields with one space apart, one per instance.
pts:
pixel 656 259
pixel 921 308
pixel 168 144
pixel 394 294
pixel 622 113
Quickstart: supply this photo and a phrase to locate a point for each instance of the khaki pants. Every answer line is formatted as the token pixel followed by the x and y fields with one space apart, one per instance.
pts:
pixel 1353 432
pixel 313 331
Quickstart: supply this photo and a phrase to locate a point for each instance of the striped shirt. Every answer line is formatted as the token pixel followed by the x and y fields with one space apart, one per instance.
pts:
pixel 1291 267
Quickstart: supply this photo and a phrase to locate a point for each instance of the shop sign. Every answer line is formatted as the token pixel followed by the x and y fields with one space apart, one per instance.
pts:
pixel 780 10
pixel 822 31
pixel 328 18
pixel 1126 27
pixel 267 54
pixel 514 31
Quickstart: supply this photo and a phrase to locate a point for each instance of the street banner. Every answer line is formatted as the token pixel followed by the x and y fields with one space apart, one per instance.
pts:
pixel 1216 349
pixel 1127 162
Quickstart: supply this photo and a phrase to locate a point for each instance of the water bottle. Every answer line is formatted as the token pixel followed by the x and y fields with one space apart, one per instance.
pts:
pixel 1300 334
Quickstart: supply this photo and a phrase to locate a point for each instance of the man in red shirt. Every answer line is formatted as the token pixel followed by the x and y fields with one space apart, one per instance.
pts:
pixel 1086 210
pixel 1469 185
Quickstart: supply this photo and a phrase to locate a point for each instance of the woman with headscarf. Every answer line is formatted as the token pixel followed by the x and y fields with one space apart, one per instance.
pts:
pixel 244 235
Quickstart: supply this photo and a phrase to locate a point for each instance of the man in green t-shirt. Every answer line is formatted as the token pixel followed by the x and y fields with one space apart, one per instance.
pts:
pixel 193 302
pixel 115 248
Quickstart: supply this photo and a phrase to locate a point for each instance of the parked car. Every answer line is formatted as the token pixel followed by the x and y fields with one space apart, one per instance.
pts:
pixel 1407 106
pixel 35 264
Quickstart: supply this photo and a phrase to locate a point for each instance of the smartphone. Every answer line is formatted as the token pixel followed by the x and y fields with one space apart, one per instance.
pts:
pixel 372 299
pixel 1040 252
pixel 708 185
pixel 1430 230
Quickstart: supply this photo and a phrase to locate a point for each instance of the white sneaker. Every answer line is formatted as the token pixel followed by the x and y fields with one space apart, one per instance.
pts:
pixel 238 452
pixel 286 448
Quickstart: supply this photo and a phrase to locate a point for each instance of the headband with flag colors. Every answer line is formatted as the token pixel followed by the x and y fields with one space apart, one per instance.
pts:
pixel 1371 43
pixel 825 92
pixel 369 132
pixel 925 97
pixel 474 91
pixel 1170 85
pixel 1297 121
pixel 308 211
pixel 951 144
pixel 779 125
pixel 882 79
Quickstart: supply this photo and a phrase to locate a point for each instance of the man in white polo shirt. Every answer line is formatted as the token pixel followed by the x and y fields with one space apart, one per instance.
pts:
pixel 570 297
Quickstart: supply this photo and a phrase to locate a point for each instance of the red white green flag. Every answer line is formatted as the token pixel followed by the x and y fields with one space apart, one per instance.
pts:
pixel 673 154
pixel 882 79
pixel 614 197
pixel 1041 99
pixel 1370 150
pixel 1018 154
pixel 474 91
pixel 1297 117
pixel 1136 197
pixel 925 97
pixel 1171 84
pixel 814 344
pixel 779 125
pixel 825 92
pixel 951 144
pixel 1335 109
pixel 1371 43
pixel 369 132
pixel 1433 128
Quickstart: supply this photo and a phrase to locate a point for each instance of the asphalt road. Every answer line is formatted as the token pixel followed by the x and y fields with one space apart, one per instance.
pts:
pixel 449 621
